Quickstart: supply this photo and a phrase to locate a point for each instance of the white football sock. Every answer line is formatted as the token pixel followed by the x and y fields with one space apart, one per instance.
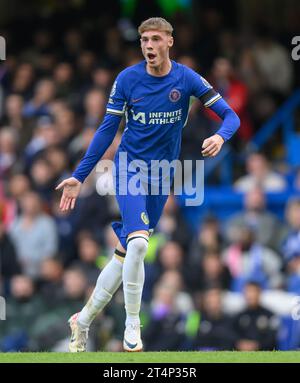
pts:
pixel 134 276
pixel 107 284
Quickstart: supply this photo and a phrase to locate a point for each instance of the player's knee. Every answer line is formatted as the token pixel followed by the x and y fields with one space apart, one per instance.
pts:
pixel 138 245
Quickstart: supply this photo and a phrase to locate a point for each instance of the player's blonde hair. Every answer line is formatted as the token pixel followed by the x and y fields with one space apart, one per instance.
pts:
pixel 157 24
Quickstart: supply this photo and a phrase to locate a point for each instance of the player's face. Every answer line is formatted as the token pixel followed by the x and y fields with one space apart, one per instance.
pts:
pixel 155 47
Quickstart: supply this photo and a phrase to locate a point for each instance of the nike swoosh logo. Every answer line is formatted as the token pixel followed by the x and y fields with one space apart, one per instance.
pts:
pixel 136 99
pixel 130 345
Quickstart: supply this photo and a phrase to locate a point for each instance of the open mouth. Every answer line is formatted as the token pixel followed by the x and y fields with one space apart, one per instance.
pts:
pixel 151 56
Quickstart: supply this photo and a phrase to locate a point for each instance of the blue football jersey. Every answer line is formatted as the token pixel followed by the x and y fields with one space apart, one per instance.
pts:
pixel 156 109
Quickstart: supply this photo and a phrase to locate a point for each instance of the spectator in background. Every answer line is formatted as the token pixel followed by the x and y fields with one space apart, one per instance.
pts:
pixel 213 329
pixel 132 56
pixel 66 123
pixel 247 259
pixel 229 44
pixel 183 300
pixel 86 61
pixel 13 112
pixel 66 231
pixel 189 61
pixel 46 63
pixel 42 42
pixel 74 284
pixel 22 309
pixel 22 81
pixel 8 151
pixel 80 143
pixel 14 118
pixel 114 47
pixel 291 246
pixel 165 330
pixel 235 92
pixel 9 264
pixel 34 234
pixel 294 178
pixel 292 268
pixel 170 257
pixel 42 178
pixel 260 174
pixel 210 272
pixel 73 40
pixel 256 326
pixel 208 238
pixel 18 185
pixel 185 39
pixel 88 252
pixel 211 21
pixel 57 106
pixel 268 230
pixel 94 105
pixel 58 159
pixel 45 135
pixel 249 72
pixel 64 81
pixel 102 78
pixel 274 63
pixel 50 283
pixel 39 105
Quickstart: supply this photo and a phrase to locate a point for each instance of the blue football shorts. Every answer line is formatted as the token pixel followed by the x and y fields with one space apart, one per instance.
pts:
pixel 138 212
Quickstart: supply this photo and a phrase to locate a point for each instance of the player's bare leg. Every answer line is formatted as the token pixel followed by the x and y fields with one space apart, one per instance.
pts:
pixel 133 282
pixel 107 284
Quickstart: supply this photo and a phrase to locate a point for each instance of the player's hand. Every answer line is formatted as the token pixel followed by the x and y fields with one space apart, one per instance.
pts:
pixel 212 145
pixel 71 189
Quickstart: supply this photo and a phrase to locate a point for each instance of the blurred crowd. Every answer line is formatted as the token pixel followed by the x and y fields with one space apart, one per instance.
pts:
pixel 53 96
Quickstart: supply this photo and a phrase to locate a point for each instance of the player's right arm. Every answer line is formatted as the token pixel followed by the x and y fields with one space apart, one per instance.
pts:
pixel 98 146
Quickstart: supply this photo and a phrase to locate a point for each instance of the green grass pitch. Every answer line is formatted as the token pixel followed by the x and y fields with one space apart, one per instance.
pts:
pixel 154 357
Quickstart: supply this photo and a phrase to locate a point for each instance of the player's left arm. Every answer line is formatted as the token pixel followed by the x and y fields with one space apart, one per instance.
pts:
pixel 212 145
pixel 200 88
